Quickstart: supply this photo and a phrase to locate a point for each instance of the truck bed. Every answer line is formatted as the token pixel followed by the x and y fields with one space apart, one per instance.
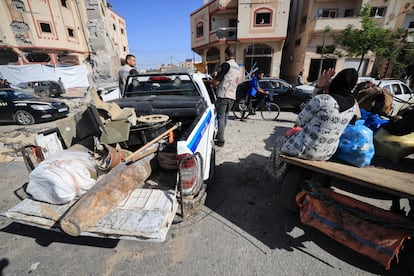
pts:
pixel 145 215
pixel 383 179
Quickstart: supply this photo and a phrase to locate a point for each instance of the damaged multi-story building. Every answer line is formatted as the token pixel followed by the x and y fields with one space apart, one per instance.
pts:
pixel 63 33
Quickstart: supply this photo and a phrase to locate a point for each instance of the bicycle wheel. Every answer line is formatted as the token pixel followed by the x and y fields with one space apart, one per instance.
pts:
pixel 270 111
pixel 240 110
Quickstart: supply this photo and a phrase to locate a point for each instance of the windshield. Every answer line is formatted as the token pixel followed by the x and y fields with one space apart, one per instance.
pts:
pixel 169 84
pixel 20 95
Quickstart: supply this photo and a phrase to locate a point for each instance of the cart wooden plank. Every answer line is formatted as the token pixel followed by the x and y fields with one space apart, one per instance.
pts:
pixel 386 180
pixel 136 217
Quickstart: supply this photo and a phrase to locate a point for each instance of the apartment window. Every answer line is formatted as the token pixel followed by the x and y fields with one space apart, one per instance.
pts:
pixel 377 11
pixel 263 17
pixel 327 13
pixel 199 29
pixel 63 3
pixel 45 27
pixel 349 13
pixel 71 32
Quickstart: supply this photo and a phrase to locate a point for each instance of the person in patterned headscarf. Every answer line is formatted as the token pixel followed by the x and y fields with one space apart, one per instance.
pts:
pixel 321 123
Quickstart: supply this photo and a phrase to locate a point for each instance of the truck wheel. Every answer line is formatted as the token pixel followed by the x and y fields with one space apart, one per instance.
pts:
pixel 292 184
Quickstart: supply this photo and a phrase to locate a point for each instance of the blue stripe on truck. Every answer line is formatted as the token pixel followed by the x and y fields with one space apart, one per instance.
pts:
pixel 200 132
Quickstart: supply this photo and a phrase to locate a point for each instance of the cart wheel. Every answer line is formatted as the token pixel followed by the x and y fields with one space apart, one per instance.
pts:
pixel 292 184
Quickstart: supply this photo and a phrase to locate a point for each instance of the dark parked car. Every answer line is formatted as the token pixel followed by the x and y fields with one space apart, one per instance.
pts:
pixel 284 93
pixel 26 108
pixel 45 88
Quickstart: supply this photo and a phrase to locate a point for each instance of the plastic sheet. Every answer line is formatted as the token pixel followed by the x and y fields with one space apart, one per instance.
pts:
pixel 62 177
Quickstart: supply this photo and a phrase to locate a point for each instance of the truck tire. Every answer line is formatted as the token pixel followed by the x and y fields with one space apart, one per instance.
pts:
pixel 292 184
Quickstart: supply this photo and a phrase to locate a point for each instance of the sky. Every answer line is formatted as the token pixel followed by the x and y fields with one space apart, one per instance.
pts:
pixel 158 30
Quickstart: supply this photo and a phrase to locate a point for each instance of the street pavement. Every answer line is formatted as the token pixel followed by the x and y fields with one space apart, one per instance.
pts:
pixel 241 230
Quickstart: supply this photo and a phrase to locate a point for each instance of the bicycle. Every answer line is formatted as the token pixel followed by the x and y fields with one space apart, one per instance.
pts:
pixel 268 110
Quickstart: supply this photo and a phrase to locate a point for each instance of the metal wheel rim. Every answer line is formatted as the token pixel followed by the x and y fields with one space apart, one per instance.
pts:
pixel 23 118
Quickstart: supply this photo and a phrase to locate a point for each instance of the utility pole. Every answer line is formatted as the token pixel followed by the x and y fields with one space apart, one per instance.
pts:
pixel 322 51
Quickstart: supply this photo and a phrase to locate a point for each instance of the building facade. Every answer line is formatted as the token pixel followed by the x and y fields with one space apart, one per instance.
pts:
pixel 256 29
pixel 313 24
pixel 63 33
pixel 283 38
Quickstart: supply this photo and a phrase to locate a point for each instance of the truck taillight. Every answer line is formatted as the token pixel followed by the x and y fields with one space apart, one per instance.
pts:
pixel 190 172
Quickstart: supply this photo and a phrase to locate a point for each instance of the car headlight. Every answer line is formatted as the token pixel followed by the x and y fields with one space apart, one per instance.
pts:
pixel 41 107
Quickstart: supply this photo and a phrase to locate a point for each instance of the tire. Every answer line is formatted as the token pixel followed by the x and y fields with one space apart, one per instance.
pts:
pixel 241 109
pixel 277 168
pixel 270 112
pixel 24 118
pixel 293 182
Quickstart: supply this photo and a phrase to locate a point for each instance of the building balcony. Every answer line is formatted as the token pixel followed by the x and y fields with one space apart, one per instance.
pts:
pixel 223 33
pixel 336 24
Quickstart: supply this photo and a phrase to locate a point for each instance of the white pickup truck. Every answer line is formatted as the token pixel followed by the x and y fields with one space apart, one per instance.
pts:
pixel 180 169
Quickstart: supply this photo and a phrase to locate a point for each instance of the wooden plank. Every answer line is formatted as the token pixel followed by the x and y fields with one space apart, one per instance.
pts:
pixel 137 217
pixel 381 179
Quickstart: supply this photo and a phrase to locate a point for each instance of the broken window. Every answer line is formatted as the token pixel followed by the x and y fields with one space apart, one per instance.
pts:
pixel 37 57
pixel 45 27
pixel 8 56
pixel 68 59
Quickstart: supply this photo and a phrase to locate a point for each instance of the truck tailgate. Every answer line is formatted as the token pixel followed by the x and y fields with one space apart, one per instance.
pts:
pixel 146 215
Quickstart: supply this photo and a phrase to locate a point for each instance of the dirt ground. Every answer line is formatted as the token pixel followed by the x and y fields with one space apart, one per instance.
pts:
pixel 13 137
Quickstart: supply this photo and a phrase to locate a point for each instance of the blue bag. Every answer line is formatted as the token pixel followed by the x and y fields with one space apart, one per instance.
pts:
pixel 356 145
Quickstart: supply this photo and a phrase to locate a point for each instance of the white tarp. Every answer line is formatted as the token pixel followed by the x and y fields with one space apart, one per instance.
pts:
pixel 72 76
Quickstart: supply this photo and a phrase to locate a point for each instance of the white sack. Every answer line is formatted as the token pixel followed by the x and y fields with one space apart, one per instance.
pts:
pixel 62 177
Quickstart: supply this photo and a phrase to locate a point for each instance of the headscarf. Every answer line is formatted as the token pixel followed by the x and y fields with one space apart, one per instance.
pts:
pixel 341 88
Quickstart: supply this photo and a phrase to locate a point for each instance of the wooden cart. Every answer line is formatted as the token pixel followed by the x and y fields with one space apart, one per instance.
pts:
pixel 377 181
pixel 371 182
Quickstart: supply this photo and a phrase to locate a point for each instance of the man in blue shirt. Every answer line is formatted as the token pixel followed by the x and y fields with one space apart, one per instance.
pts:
pixel 254 88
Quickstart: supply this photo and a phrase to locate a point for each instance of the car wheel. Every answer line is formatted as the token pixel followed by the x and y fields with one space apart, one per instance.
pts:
pixel 24 118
